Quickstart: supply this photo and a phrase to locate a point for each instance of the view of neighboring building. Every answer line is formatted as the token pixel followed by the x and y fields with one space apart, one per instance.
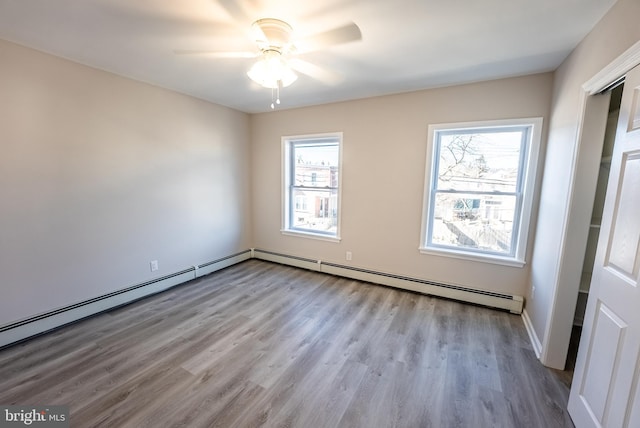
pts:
pixel 477 189
pixel 316 192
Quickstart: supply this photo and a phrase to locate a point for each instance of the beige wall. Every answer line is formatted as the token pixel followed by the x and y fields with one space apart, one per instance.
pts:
pixel 553 275
pixel 384 153
pixel 99 175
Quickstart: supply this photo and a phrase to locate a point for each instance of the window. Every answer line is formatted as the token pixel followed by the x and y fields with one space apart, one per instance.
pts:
pixel 311 177
pixel 479 189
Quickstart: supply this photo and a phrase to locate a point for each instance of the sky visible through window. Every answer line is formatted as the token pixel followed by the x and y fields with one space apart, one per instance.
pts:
pixel 317 154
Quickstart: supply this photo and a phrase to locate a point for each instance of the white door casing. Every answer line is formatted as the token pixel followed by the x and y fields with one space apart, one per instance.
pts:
pixel 605 389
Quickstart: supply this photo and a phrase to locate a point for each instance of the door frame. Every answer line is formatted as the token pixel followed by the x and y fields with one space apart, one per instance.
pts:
pixel 553 352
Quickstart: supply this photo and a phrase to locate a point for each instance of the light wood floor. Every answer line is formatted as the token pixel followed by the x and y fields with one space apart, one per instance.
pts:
pixel 260 344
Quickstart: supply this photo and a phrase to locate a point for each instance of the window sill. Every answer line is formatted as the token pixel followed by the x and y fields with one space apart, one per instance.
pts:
pixel 310 235
pixel 484 258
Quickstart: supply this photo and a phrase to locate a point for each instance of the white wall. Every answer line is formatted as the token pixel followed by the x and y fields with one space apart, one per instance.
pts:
pixel 384 154
pixel 100 174
pixel 558 241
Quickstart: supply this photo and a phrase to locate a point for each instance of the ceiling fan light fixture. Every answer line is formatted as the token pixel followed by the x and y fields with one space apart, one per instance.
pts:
pixel 272 71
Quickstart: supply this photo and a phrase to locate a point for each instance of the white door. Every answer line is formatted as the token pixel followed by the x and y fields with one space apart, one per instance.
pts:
pixel 605 389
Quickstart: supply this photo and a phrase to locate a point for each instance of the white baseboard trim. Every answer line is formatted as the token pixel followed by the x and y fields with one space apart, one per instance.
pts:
pixel 533 337
pixel 512 303
pixel 24 329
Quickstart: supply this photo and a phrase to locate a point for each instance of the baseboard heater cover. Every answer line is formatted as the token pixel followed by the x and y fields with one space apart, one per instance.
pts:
pixel 512 303
pixel 39 324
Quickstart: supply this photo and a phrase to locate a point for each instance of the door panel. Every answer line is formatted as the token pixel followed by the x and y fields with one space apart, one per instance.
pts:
pixel 623 250
pixel 608 333
pixel 634 120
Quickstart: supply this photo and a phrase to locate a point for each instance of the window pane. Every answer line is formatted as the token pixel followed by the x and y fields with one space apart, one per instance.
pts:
pixel 484 162
pixel 315 210
pixel 315 165
pixel 311 194
pixel 483 222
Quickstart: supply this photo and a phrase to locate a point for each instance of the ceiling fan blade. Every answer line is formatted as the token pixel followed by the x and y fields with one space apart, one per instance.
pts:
pixel 315 71
pixel 337 36
pixel 238 10
pixel 151 20
pixel 215 54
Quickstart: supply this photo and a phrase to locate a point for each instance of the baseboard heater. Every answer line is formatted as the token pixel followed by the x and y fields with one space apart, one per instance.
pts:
pixel 42 323
pixel 45 322
pixel 510 302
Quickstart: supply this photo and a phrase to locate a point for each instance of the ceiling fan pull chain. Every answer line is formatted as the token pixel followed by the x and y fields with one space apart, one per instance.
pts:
pixel 273 106
pixel 275 96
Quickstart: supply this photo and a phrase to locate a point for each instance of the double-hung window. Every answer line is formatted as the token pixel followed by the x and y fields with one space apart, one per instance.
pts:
pixel 479 188
pixel 311 185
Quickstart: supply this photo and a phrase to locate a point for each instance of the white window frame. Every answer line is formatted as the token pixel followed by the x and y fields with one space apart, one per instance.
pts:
pixel 526 188
pixel 287 169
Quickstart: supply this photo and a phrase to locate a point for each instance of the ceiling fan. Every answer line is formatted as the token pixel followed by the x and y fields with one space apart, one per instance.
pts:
pixel 276 47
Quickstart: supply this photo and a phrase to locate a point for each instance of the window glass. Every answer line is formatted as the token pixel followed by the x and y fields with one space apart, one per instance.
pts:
pixel 312 185
pixel 480 161
pixel 479 190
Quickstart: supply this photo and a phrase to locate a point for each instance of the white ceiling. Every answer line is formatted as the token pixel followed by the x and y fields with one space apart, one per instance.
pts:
pixel 406 44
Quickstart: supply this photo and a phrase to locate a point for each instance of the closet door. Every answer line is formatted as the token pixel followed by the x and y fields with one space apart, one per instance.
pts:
pixel 605 389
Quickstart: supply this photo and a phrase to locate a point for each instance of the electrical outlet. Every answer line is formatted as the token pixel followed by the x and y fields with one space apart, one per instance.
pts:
pixel 154 265
pixel 533 292
pixel 349 255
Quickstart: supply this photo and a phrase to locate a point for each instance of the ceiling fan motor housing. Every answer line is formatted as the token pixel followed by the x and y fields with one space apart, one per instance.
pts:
pixel 272 34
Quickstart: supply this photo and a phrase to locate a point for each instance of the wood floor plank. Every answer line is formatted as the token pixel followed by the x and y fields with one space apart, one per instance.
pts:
pixel 261 344
pixel 210 394
pixel 121 404
pixel 332 397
